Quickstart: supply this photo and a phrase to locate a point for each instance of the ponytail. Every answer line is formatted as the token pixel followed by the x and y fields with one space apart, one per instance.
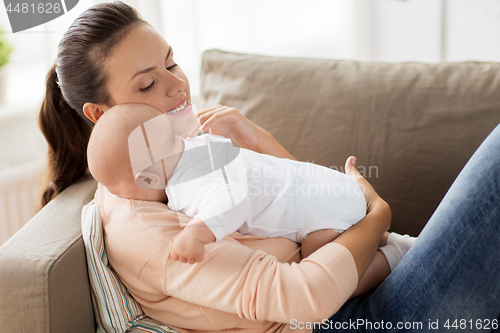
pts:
pixel 67 135
pixel 78 77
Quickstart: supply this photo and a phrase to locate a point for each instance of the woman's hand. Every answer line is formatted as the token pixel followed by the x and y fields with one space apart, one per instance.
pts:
pixel 363 238
pixel 230 123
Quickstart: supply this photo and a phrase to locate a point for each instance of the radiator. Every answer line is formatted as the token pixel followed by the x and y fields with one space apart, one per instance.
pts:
pixel 19 195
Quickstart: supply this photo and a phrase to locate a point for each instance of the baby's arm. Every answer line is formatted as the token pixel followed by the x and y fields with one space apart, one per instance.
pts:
pixel 213 222
pixel 189 245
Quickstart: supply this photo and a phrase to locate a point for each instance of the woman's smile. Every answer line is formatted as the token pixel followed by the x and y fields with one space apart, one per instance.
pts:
pixel 182 110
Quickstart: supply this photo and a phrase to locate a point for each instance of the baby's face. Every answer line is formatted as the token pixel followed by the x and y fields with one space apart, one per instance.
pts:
pixel 150 146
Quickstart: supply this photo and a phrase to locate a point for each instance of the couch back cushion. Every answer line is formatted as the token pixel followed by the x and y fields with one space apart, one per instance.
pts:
pixel 412 126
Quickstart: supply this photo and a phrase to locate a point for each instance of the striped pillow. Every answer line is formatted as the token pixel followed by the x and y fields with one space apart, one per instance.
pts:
pixel 115 310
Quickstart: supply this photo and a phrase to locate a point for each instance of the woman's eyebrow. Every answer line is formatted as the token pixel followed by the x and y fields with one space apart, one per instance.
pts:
pixel 150 68
pixel 168 54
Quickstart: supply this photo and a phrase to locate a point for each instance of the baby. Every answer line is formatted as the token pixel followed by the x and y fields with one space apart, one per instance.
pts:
pixel 224 188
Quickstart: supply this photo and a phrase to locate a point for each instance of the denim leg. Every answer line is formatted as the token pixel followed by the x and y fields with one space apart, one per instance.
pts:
pixel 453 270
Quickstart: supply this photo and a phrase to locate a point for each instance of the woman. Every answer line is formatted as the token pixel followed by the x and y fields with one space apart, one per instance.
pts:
pixel 110 56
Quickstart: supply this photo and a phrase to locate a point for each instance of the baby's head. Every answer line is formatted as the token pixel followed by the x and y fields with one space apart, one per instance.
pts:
pixel 129 150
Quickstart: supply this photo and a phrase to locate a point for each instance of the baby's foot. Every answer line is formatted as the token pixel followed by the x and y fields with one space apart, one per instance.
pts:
pixel 396 248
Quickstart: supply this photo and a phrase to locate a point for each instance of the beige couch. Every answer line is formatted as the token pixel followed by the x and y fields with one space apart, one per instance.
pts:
pixel 412 126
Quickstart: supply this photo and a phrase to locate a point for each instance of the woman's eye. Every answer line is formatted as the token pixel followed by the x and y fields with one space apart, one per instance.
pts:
pixel 171 67
pixel 148 87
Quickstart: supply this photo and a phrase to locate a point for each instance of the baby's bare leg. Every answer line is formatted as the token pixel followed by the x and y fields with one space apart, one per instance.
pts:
pixel 317 239
pixel 393 246
pixel 375 274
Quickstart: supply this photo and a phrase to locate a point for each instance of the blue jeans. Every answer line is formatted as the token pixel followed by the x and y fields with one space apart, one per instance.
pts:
pixel 449 281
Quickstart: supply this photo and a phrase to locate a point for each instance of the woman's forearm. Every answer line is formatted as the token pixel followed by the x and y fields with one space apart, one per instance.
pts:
pixel 268 145
pixel 363 239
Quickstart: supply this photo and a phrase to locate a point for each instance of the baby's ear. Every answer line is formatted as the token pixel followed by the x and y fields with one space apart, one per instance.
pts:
pixel 149 180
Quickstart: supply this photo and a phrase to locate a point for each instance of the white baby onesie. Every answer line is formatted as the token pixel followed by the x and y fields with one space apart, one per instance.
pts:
pixel 235 189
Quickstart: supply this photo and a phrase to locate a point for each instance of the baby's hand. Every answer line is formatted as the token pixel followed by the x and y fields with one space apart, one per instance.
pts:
pixel 187 249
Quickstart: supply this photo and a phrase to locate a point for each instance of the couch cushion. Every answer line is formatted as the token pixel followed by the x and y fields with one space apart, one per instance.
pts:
pixel 413 126
pixel 114 308
pixel 43 275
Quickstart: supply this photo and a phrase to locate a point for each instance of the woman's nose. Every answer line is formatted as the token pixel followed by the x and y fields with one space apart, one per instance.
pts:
pixel 174 84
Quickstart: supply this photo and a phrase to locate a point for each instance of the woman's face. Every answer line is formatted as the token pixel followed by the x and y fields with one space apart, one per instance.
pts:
pixel 141 69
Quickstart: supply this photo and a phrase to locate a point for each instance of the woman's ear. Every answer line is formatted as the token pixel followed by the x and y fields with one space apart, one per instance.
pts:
pixel 149 180
pixel 94 111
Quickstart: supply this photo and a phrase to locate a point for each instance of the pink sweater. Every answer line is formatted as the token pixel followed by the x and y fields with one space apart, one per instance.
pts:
pixel 245 283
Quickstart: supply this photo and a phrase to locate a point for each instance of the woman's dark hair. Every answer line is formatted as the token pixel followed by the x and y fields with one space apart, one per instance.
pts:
pixel 78 77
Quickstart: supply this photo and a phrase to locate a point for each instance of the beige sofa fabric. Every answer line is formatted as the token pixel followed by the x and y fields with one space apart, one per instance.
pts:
pixel 43 275
pixel 412 126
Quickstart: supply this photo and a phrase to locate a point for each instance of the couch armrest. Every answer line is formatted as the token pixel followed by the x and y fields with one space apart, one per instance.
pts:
pixel 44 284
